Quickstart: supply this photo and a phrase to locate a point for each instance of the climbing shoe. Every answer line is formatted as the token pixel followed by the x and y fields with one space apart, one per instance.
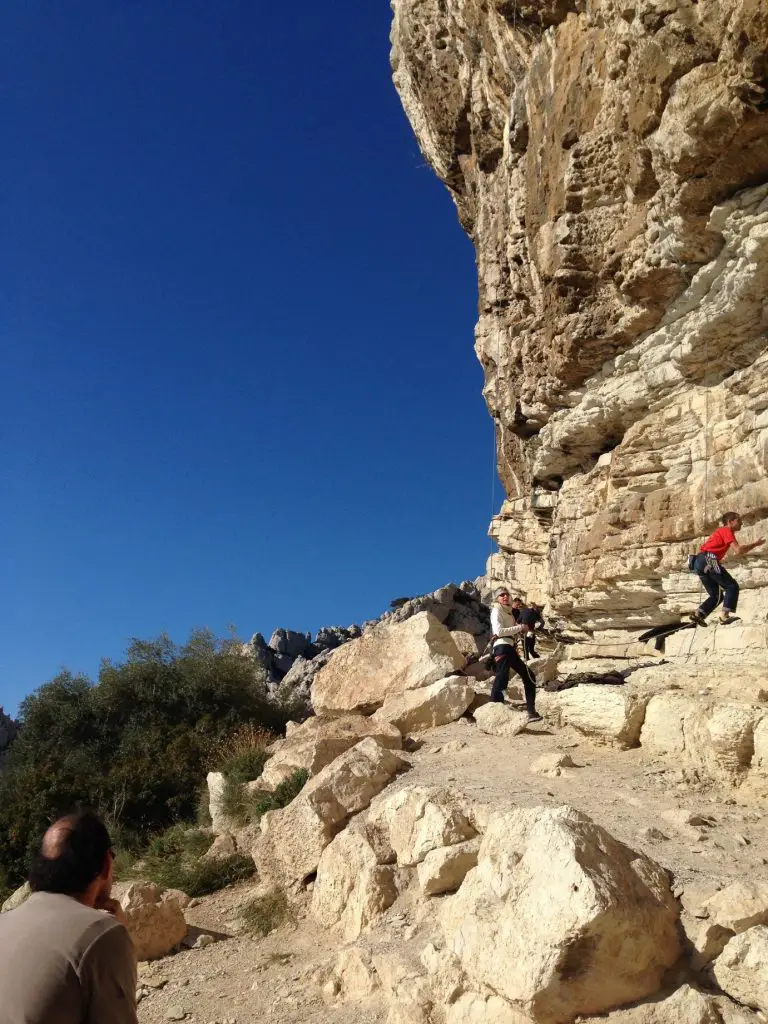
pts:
pixel 698 618
pixel 726 619
pixel 534 716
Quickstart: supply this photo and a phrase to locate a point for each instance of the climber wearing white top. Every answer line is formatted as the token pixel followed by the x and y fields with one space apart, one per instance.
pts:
pixel 506 632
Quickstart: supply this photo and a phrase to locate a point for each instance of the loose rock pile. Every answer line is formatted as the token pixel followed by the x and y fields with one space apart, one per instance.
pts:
pixel 291 660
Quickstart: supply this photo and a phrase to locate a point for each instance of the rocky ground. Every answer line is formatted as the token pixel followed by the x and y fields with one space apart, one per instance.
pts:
pixel 698 832
pixel 446 861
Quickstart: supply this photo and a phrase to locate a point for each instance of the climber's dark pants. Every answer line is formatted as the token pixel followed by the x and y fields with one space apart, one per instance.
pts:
pixel 718 585
pixel 530 645
pixel 507 658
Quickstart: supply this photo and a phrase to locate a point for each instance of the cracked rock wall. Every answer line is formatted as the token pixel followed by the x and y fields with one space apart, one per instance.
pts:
pixel 609 160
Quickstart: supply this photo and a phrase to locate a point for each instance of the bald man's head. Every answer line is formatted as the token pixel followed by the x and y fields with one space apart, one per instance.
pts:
pixel 73 854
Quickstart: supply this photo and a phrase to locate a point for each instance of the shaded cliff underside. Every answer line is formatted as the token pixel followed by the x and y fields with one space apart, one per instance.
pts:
pixel 609 159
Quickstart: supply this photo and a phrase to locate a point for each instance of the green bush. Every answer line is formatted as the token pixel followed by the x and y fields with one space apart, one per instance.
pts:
pixel 282 795
pixel 135 745
pixel 172 859
pixel 245 766
pixel 243 808
pixel 263 914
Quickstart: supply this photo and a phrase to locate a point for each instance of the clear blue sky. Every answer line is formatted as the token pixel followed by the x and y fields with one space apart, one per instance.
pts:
pixel 236 311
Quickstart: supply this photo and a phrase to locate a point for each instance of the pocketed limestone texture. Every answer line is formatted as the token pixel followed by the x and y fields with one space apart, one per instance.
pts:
pixel 609 160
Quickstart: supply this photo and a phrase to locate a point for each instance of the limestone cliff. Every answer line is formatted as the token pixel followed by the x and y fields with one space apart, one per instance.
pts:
pixel 609 159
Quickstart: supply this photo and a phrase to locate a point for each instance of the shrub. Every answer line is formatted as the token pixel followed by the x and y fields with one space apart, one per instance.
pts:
pixel 263 914
pixel 173 860
pixel 282 795
pixel 243 808
pixel 241 756
pixel 134 746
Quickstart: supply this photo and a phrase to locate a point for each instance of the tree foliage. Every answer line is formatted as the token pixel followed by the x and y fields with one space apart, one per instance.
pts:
pixel 135 745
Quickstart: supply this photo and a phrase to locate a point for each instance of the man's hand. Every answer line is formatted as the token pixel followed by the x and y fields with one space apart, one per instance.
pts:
pixel 110 906
pixel 758 542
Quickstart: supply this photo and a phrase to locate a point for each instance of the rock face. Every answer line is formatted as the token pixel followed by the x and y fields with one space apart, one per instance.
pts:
pixel 387 660
pixel 609 161
pixel 581 923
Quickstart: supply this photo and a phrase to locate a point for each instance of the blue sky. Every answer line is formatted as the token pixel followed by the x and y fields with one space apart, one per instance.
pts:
pixel 236 315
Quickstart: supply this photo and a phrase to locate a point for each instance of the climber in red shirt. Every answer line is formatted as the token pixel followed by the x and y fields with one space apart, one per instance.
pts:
pixel 717 581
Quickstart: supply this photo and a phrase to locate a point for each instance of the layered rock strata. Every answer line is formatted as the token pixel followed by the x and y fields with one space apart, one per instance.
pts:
pixel 609 160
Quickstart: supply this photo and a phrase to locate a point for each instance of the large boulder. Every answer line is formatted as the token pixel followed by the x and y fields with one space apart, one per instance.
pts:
pixel 663 728
pixel 388 659
pixel 497 719
pixel 292 839
pixel 154 918
pixel 428 706
pixel 741 970
pixel 720 739
pixel 418 819
pixel 318 741
pixel 353 887
pixel 580 923
pixel 605 714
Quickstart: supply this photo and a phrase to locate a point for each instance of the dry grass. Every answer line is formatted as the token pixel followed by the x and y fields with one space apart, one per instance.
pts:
pixel 263 914
pixel 242 750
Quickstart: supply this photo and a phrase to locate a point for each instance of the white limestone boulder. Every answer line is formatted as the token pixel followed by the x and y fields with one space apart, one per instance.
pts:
pixel 581 923
pixel 292 839
pixel 405 988
pixel 552 765
pixel 220 822
pixel 222 847
pixel 318 741
pixel 355 976
pixel 607 714
pixel 21 895
pixel 731 911
pixel 387 660
pixel 427 707
pixel 496 719
pixel 467 643
pixel 719 740
pixel 663 727
pixel 154 918
pixel 443 870
pixel 419 819
pixel 353 888
pixel 741 970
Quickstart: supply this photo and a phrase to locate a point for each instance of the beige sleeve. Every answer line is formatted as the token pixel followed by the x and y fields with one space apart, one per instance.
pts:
pixel 108 979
